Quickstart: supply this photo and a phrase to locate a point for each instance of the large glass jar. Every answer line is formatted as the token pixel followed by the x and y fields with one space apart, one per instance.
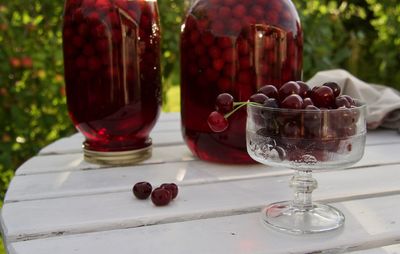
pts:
pixel 233 46
pixel 112 74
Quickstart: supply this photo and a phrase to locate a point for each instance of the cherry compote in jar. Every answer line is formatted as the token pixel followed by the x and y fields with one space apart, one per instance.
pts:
pixel 234 46
pixel 112 74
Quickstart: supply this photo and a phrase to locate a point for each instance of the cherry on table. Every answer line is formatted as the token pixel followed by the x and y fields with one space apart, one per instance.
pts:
pixel 142 190
pixel 161 196
pixel 172 187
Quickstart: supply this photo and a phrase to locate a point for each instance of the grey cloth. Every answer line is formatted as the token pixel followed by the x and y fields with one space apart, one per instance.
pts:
pixel 383 103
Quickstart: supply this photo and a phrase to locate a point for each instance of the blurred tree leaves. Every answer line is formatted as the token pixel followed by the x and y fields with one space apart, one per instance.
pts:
pixel 361 36
pixel 33 111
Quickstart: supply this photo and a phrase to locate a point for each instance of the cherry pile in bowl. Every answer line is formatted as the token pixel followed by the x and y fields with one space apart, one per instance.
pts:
pixel 297 119
pixel 160 196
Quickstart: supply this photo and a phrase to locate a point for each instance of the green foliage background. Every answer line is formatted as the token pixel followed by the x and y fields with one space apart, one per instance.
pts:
pixel 361 36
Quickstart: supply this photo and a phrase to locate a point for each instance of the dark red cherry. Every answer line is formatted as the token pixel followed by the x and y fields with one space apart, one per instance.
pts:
pixel 142 190
pixel 345 116
pixel 224 103
pixel 349 99
pixel 323 97
pixel 239 11
pixel 348 131
pixel 224 42
pixel 259 98
pixel 304 89
pixel 342 101
pixel 307 102
pixel 287 89
pixel 312 121
pixel 173 188
pixel 311 107
pixel 291 130
pixel 271 103
pixel 293 101
pixel 335 88
pixel 217 122
pixel 270 91
pixel 356 114
pixel 161 196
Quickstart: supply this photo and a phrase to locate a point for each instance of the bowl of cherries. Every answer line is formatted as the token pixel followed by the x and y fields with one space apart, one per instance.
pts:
pixel 298 124
pixel 303 129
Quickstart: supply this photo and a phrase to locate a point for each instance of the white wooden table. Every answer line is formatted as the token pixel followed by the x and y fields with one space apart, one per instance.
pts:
pixel 58 204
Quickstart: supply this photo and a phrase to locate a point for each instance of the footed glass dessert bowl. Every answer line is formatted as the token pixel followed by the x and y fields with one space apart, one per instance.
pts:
pixel 305 140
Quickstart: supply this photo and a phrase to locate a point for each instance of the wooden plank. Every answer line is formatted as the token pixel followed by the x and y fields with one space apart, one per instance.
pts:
pixel 71 215
pixel 380 154
pixel 370 223
pixel 73 144
pixel 75 162
pixel 120 179
pixel 169 116
pixel 75 182
pixel 171 125
pixel 382 136
pixel 391 249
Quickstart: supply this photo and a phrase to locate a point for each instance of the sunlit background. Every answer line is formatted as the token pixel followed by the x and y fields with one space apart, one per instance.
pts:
pixel 361 36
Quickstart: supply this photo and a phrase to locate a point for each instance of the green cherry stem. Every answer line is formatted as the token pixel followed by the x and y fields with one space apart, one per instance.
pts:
pixel 240 105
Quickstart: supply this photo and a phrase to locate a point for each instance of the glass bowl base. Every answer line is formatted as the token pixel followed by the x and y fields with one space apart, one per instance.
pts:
pixel 319 218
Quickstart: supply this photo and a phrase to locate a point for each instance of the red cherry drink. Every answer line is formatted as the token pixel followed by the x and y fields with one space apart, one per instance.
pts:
pixel 112 74
pixel 233 46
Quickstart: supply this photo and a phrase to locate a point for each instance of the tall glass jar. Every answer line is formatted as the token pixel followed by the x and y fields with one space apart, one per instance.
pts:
pixel 112 74
pixel 233 46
